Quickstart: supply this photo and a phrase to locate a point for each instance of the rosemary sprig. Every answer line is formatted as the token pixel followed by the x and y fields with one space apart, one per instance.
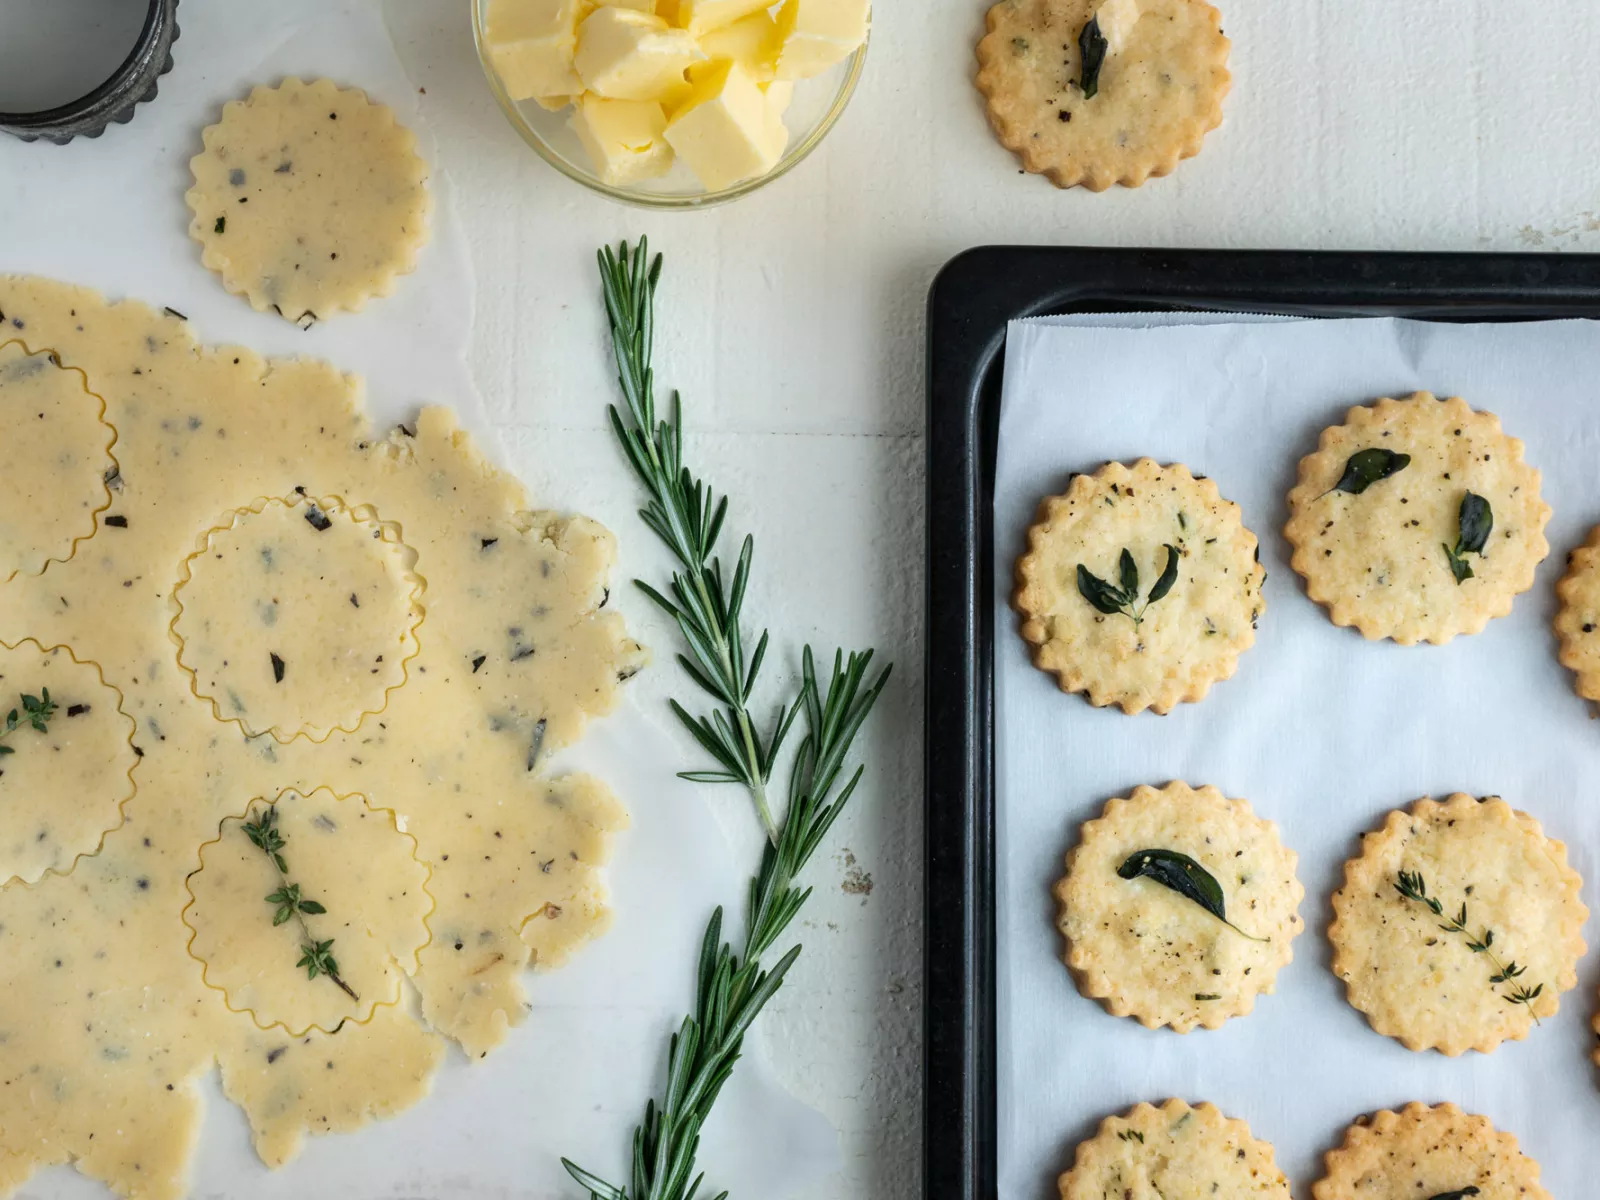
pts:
pixel 35 714
pixel 1413 887
pixel 316 957
pixel 732 988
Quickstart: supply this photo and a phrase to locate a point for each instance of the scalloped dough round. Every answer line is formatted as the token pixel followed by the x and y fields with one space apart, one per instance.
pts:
pixel 1377 560
pixel 1185 641
pixel 1143 950
pixel 1424 985
pixel 1158 96
pixel 1424 1152
pixel 1173 1151
pixel 309 199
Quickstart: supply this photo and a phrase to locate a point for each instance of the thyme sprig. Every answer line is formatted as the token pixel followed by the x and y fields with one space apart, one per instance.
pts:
pixel 316 957
pixel 732 988
pixel 1413 887
pixel 35 714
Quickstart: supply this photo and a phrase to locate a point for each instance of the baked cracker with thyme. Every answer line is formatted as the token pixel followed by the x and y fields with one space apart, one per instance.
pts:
pixel 1417 520
pixel 1179 907
pixel 1459 926
pixel 1173 1150
pixel 1427 1153
pixel 1140 587
pixel 1577 623
pixel 308 199
pixel 1097 92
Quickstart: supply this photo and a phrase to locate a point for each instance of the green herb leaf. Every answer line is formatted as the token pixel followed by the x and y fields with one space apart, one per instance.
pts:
pixel 1476 522
pixel 1367 467
pixel 1130 577
pixel 1185 876
pixel 36 714
pixel 312 907
pixel 1125 600
pixel 315 960
pixel 1092 46
pixel 1412 886
pixel 1461 1194
pixel 1169 576
pixel 1099 593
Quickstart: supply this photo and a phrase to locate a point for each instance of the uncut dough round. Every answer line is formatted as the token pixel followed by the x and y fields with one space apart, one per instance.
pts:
pixel 1424 1152
pixel 117 1009
pixel 298 616
pixel 54 459
pixel 61 791
pixel 1377 560
pixel 1158 97
pixel 309 199
pixel 1143 950
pixel 1577 622
pixel 345 856
pixel 1175 1152
pixel 1423 985
pixel 1190 638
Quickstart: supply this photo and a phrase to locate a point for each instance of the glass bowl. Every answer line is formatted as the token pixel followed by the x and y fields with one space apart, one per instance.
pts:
pixel 817 105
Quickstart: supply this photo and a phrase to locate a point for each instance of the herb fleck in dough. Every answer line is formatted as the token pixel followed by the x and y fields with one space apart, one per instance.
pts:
pixel 1173 1152
pixel 1182 642
pixel 308 199
pixel 54 458
pixel 110 1023
pixel 1147 952
pixel 1379 560
pixel 1427 1152
pixel 297 616
pixel 1425 985
pixel 1159 95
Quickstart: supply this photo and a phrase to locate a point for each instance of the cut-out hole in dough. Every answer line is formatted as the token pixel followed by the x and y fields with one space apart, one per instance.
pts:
pixel 54 460
pixel 298 616
pixel 61 791
pixel 348 859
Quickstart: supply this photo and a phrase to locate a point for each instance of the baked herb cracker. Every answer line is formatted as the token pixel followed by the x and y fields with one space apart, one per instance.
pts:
pixel 1140 587
pixel 1426 1153
pixel 1097 92
pixel 1173 1151
pixel 1459 926
pixel 1179 907
pixel 1417 520
pixel 1577 623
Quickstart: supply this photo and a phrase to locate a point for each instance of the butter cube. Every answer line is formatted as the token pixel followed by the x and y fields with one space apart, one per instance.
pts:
pixel 779 93
pixel 752 42
pixel 628 55
pixel 819 33
pixel 700 17
pixel 1117 19
pixel 726 131
pixel 531 43
pixel 623 138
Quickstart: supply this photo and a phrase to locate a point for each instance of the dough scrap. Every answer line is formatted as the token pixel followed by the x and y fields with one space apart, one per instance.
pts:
pixel 1158 96
pixel 54 460
pixel 298 616
pixel 1377 560
pixel 309 199
pixel 1147 952
pixel 1176 1152
pixel 109 1023
pixel 1426 1152
pixel 1426 986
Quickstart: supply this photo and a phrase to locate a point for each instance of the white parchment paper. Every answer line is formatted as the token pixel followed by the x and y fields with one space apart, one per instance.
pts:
pixel 572 1080
pixel 1322 731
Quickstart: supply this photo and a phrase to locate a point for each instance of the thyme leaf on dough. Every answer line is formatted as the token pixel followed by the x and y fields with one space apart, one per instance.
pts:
pixel 35 714
pixel 316 957
pixel 1125 599
pixel 1092 47
pixel 1413 887
pixel 732 988
pixel 1367 467
pixel 1185 876
pixel 1476 522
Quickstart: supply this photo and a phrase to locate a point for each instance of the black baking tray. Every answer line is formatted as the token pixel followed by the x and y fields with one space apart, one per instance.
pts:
pixel 971 301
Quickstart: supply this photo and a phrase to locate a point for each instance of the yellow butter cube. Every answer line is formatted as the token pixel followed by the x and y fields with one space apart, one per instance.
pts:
pixel 726 131
pixel 700 17
pixel 779 93
pixel 553 103
pixel 623 138
pixel 531 43
pixel 752 42
pixel 818 34
pixel 628 55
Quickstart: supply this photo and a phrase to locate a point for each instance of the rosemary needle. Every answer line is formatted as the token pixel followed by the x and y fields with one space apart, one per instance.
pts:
pixel 732 988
